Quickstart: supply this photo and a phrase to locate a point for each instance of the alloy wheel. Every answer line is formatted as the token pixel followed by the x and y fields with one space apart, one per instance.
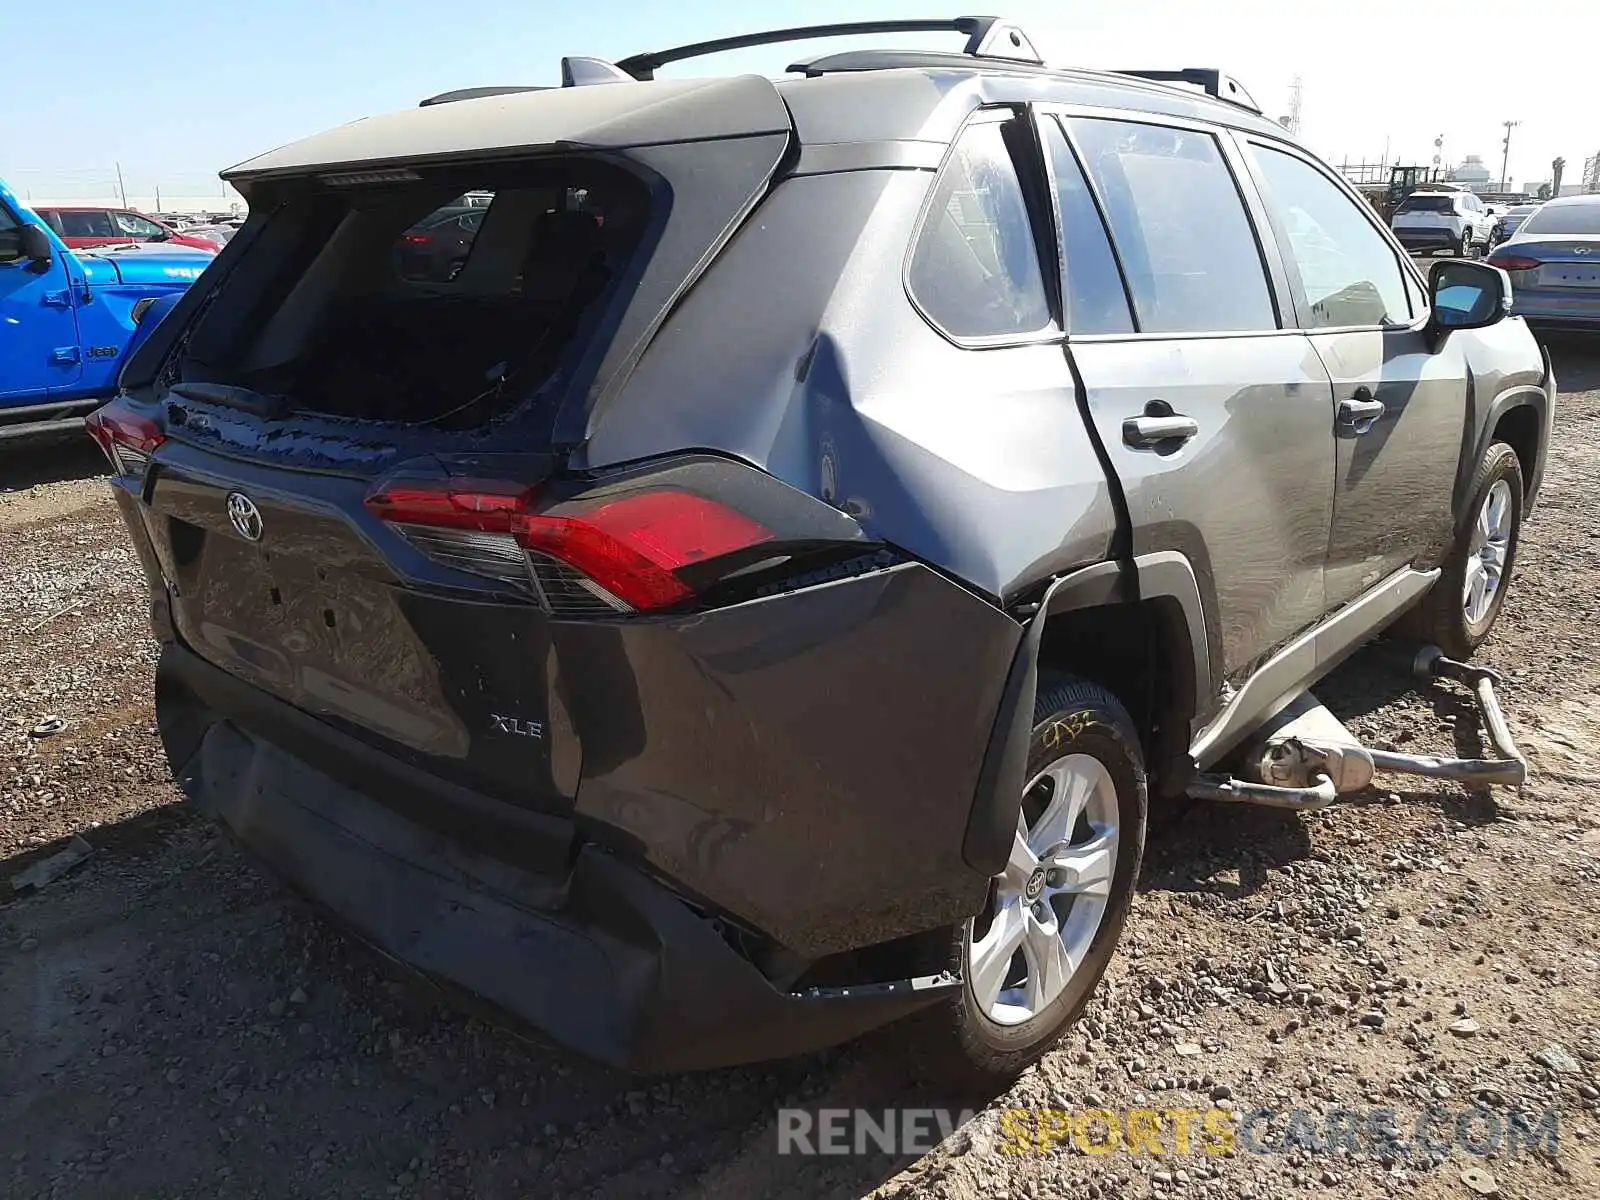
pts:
pixel 1051 898
pixel 1487 553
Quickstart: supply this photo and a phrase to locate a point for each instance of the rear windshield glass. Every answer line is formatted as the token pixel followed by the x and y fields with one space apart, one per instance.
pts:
pixel 1427 204
pixel 1564 219
pixel 445 300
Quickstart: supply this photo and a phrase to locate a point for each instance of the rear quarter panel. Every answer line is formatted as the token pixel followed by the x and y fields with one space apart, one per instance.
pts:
pixel 800 352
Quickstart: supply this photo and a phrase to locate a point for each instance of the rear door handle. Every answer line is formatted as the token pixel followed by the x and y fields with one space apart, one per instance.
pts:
pixel 1361 411
pixel 1152 431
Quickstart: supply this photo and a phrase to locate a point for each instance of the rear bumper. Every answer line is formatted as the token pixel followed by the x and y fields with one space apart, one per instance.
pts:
pixel 1427 239
pixel 1569 310
pixel 600 956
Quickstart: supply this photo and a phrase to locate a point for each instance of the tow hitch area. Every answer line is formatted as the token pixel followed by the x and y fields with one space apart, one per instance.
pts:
pixel 1306 759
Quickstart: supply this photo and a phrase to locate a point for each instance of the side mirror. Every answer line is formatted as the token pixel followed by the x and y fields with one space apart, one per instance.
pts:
pixel 1466 295
pixel 36 244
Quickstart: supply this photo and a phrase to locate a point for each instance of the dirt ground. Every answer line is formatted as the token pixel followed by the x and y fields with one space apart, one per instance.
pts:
pixel 174 1025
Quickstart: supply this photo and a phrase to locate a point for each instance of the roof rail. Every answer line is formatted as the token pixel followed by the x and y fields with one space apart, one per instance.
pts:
pixel 477 93
pixel 987 37
pixel 1213 81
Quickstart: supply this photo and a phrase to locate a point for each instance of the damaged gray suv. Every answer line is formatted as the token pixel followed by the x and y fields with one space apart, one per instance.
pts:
pixel 748 587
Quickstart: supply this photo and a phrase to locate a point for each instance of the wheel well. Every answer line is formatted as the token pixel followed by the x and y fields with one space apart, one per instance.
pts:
pixel 1519 429
pixel 1141 654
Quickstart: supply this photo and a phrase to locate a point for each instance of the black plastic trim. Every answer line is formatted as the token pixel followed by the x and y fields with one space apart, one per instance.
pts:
pixel 1000 781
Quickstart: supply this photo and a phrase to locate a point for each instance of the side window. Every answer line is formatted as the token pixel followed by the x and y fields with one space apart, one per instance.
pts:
pixel 10 236
pixel 1348 271
pixel 134 225
pixel 1180 226
pixel 1095 299
pixel 975 269
pixel 95 223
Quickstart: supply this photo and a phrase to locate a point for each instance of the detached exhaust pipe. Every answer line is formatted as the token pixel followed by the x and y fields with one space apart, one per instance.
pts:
pixel 1305 758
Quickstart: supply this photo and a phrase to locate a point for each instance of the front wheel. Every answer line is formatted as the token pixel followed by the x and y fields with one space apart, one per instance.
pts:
pixel 1031 959
pixel 1461 608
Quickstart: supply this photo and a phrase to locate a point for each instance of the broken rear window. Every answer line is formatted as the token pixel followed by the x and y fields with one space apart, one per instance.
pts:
pixel 443 300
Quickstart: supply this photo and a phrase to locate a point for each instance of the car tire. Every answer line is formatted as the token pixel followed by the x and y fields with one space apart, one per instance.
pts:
pixel 1082 737
pixel 1464 245
pixel 1484 554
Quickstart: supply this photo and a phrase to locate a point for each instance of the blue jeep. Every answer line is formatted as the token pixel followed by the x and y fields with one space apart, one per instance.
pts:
pixel 68 319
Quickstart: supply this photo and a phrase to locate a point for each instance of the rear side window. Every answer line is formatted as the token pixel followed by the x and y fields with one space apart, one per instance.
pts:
pixel 1095 299
pixel 1348 272
pixel 1180 226
pixel 86 224
pixel 975 269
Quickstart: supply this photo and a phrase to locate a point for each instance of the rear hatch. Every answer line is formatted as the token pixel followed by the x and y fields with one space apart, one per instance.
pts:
pixel 347 443
pixel 1427 212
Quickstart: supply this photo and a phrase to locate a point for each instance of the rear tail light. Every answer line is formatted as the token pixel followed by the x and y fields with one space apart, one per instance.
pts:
pixel 416 239
pixel 127 438
pixel 624 551
pixel 1513 262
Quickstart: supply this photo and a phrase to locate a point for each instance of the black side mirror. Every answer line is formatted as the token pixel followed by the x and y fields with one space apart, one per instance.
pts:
pixel 36 244
pixel 1466 295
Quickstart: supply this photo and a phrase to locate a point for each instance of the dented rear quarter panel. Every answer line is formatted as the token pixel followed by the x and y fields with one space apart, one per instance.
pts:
pixel 975 460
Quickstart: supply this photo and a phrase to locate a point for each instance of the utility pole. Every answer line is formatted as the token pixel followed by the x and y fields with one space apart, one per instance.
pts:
pixel 121 191
pixel 1505 157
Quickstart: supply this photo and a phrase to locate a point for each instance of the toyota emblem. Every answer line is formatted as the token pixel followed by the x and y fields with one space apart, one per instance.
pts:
pixel 244 516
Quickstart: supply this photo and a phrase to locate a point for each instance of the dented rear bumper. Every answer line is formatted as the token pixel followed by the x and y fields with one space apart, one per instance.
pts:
pixel 802 767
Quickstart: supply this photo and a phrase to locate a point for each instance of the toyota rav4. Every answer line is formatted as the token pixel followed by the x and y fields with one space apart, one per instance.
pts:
pixel 755 594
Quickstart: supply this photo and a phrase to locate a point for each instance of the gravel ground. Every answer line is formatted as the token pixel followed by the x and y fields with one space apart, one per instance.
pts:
pixel 174 1025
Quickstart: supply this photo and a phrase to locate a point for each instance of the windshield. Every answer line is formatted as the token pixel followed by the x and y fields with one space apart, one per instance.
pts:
pixel 1426 204
pixel 1564 219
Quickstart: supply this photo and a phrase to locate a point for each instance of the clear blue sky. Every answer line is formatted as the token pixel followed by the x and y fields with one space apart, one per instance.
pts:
pixel 176 90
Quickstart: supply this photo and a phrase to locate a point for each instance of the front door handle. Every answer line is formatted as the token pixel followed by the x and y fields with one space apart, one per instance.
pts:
pixel 1153 431
pixel 1361 411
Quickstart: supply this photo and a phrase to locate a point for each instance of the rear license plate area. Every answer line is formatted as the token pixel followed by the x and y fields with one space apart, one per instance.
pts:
pixel 1561 275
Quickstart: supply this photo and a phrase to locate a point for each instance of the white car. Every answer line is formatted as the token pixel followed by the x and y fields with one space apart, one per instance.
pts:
pixel 1430 221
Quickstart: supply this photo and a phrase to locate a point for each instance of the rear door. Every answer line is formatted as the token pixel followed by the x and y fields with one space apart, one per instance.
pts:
pixel 1216 413
pixel 1400 407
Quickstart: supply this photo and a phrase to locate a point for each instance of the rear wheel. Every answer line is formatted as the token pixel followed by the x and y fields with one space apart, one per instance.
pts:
pixel 1464 245
pixel 1461 608
pixel 1031 959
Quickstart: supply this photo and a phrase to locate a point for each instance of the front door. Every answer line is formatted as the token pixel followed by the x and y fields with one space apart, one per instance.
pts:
pixel 1400 409
pixel 38 326
pixel 1218 422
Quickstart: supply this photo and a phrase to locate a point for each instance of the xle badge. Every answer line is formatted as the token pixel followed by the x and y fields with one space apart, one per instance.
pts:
pixel 518 726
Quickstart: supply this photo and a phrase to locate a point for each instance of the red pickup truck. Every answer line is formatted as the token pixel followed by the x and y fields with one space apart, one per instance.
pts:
pixel 85 228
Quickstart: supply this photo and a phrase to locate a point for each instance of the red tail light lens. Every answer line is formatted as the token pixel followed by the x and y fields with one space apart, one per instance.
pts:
pixel 416 239
pixel 630 546
pixel 1513 262
pixel 127 438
